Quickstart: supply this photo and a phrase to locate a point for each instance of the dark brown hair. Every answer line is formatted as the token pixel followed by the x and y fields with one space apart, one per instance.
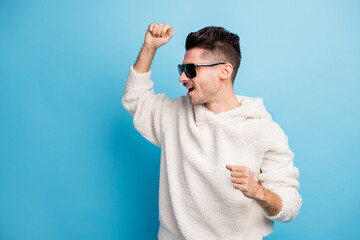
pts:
pixel 219 43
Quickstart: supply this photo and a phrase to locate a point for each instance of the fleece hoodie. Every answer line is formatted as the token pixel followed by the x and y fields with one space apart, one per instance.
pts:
pixel 197 200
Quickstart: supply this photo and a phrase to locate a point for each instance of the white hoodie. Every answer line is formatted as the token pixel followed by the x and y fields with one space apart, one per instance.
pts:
pixel 197 200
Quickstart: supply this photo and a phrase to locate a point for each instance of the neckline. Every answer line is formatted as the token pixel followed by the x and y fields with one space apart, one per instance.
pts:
pixel 204 114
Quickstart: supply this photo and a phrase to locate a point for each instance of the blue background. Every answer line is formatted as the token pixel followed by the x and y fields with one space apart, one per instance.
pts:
pixel 72 166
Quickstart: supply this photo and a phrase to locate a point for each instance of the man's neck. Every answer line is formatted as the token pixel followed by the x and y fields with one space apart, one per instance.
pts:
pixel 224 103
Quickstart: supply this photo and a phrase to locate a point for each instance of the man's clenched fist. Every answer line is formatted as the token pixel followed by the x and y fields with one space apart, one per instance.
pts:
pixel 244 180
pixel 158 34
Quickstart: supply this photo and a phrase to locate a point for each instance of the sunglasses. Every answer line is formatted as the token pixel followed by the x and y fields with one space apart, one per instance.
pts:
pixel 190 69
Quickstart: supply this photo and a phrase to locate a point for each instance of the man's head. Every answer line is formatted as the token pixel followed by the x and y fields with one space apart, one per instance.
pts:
pixel 211 45
pixel 220 45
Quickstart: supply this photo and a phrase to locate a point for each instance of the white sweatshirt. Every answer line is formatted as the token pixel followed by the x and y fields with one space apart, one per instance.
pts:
pixel 197 200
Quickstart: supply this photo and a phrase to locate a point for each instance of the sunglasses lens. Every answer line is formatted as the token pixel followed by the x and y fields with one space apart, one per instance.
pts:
pixel 180 69
pixel 190 70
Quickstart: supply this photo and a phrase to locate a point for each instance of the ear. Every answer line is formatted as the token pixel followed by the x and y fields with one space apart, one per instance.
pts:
pixel 226 71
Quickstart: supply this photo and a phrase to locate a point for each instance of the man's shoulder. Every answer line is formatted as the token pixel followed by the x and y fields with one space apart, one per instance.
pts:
pixel 275 132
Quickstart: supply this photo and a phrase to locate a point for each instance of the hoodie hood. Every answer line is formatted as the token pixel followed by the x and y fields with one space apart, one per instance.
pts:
pixel 251 107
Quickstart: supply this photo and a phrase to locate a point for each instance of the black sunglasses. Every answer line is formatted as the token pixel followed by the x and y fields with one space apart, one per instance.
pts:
pixel 190 69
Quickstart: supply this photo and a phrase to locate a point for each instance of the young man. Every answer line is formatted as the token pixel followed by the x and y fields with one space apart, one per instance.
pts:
pixel 226 168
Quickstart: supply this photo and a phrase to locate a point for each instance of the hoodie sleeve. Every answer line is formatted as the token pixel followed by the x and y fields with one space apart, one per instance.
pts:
pixel 147 108
pixel 279 175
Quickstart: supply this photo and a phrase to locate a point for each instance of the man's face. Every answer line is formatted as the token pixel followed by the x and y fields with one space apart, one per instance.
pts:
pixel 206 82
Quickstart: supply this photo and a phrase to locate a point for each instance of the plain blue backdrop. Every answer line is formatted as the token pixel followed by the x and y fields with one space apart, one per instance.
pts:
pixel 72 166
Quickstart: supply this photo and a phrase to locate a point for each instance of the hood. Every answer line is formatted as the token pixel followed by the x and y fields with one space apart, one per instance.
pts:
pixel 251 107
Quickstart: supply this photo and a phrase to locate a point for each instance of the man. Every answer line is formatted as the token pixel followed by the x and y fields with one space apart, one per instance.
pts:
pixel 226 169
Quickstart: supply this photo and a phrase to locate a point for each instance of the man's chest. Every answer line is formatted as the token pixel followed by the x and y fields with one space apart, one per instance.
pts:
pixel 213 145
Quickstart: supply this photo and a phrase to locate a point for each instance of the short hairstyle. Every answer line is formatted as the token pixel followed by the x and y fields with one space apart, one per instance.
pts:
pixel 219 43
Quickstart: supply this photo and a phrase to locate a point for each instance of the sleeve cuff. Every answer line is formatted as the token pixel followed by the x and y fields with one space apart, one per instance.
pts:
pixel 139 80
pixel 132 70
pixel 279 216
pixel 288 210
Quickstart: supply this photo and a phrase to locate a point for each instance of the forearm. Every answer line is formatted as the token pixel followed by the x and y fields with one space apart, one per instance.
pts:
pixel 143 62
pixel 269 201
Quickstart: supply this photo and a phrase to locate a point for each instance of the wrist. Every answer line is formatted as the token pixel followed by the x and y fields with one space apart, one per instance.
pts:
pixel 261 194
pixel 149 48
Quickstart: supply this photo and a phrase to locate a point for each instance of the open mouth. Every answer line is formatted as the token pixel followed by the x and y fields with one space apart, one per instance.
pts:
pixel 189 87
pixel 190 90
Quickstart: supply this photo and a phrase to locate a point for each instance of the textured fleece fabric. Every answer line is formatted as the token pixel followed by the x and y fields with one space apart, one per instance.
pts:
pixel 197 200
